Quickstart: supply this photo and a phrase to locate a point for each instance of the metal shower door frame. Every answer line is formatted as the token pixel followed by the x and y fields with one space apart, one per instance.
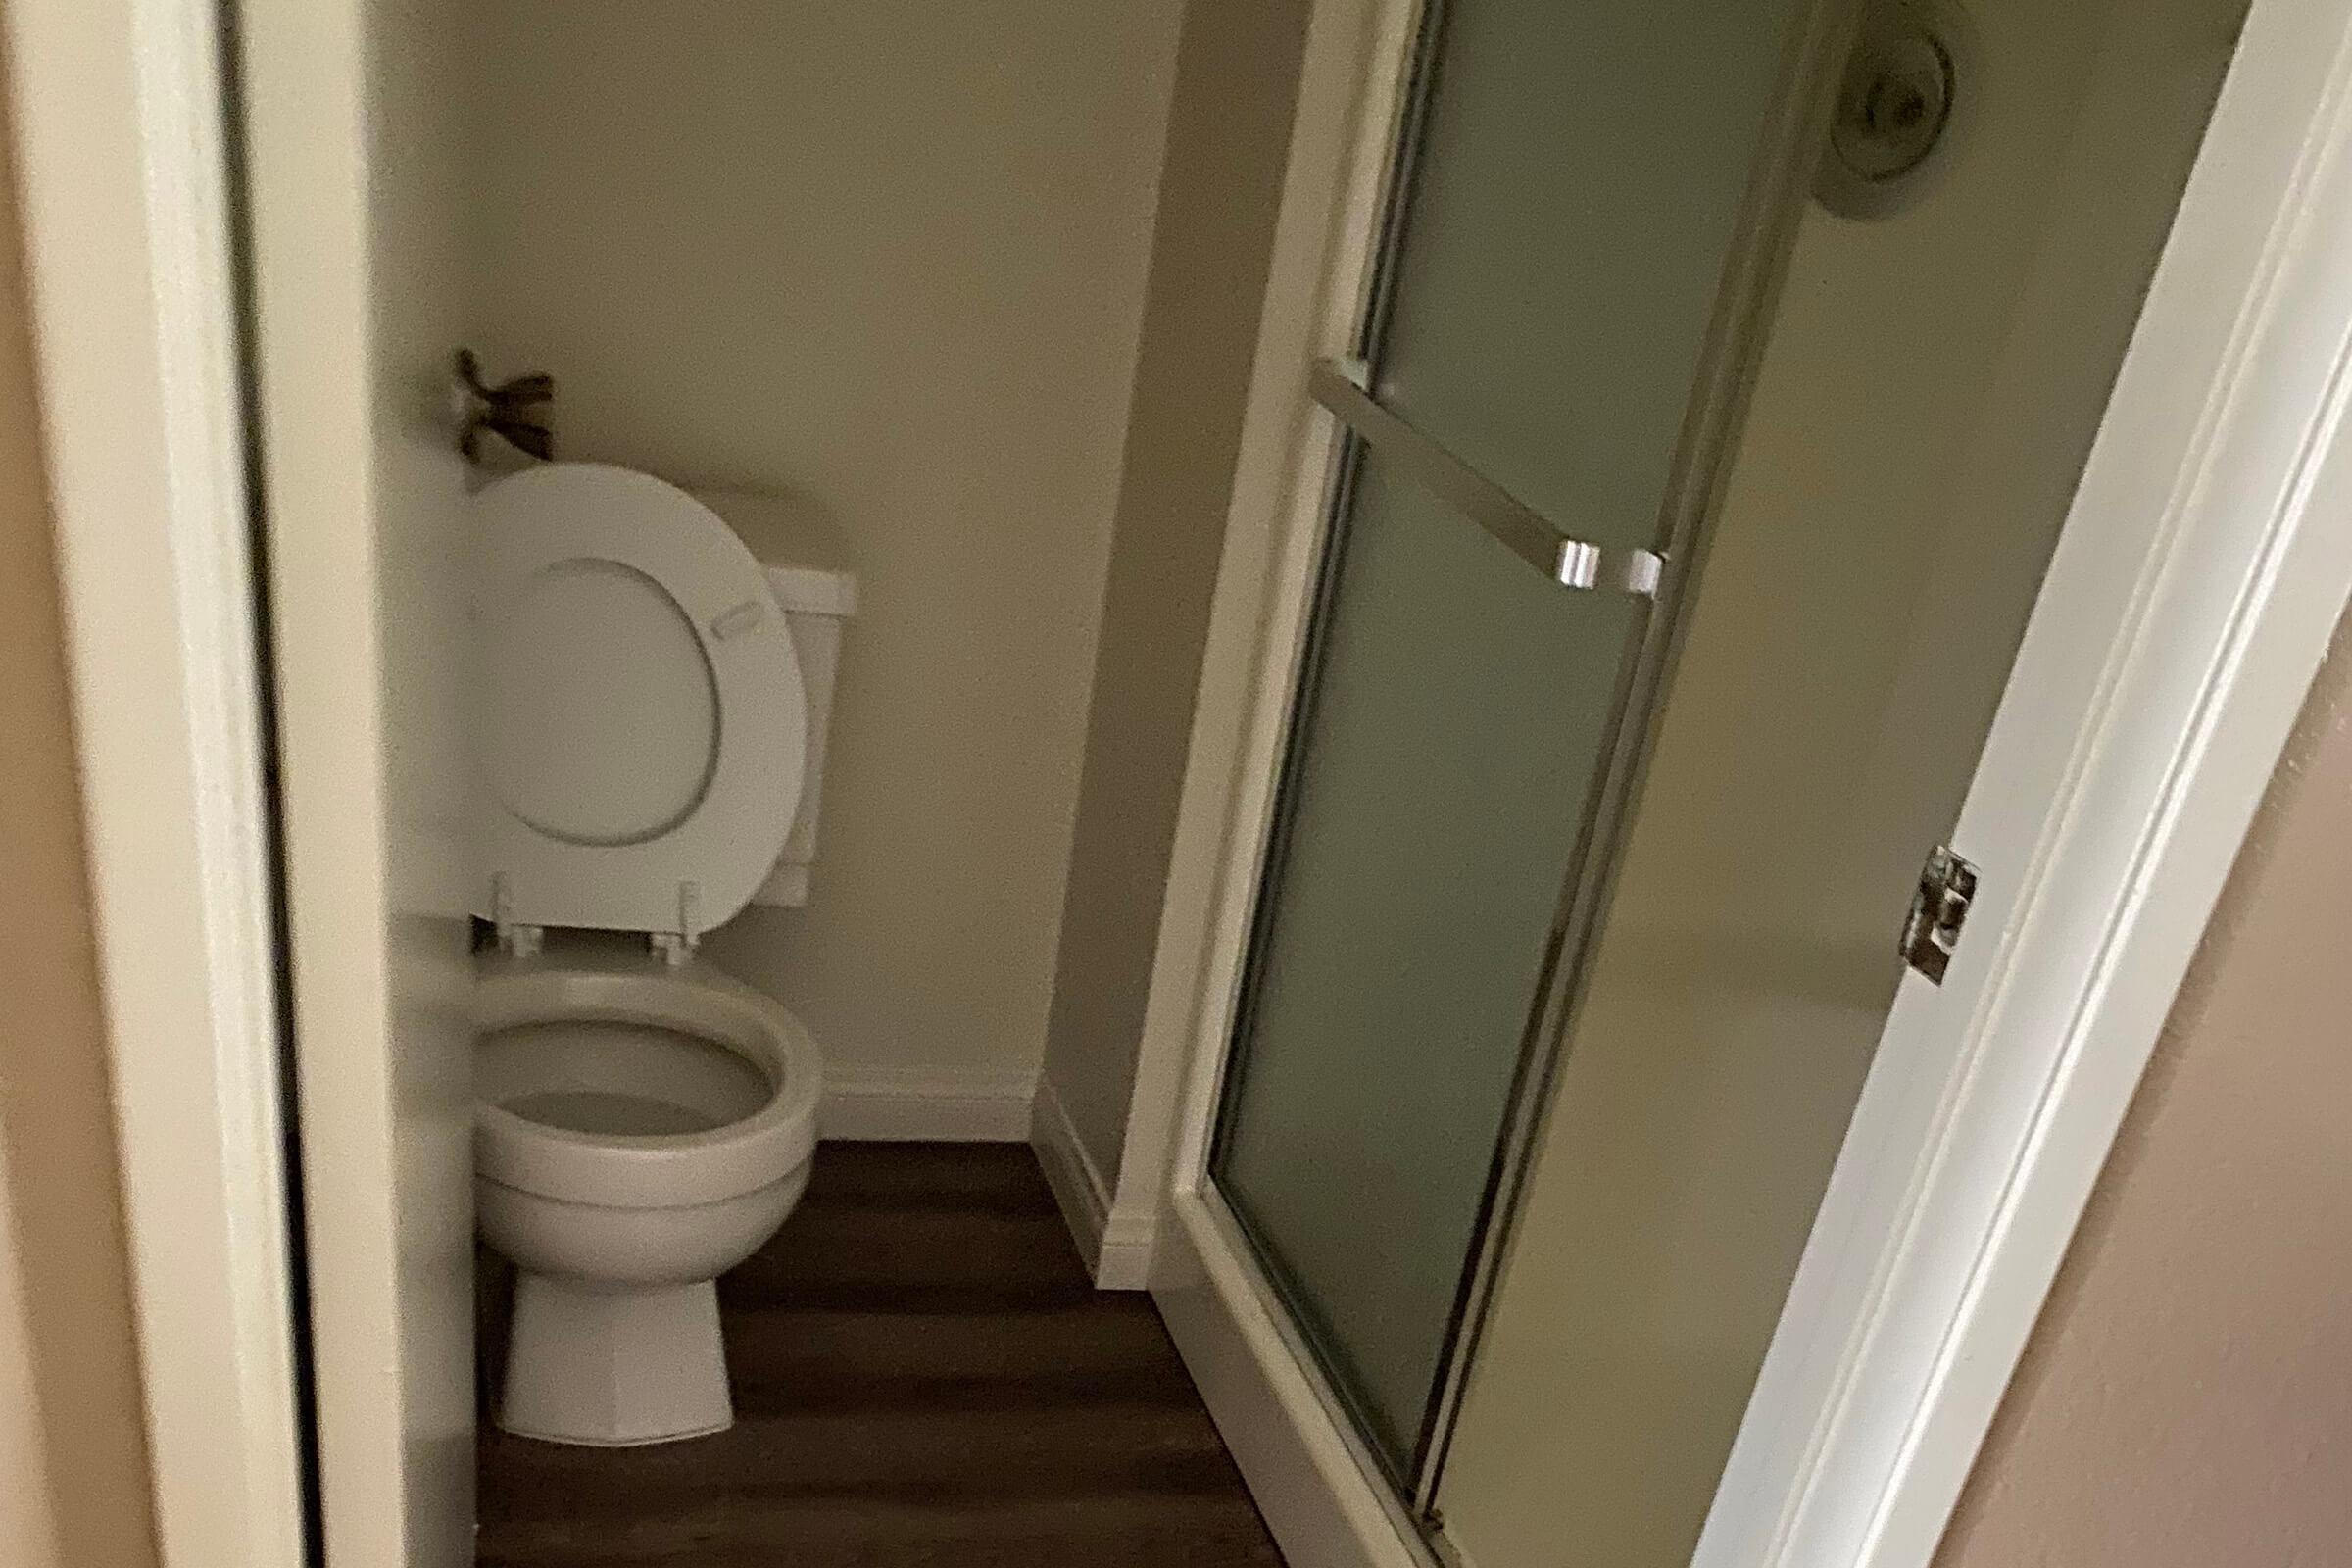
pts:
pixel 1764 234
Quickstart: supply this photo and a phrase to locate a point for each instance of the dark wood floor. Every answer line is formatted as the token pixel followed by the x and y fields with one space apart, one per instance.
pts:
pixel 922 1376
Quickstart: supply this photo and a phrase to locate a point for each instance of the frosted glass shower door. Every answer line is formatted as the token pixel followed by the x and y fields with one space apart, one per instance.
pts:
pixel 1463 707
pixel 1577 205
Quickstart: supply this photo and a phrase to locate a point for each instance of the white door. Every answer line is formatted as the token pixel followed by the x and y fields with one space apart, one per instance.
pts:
pixel 353 170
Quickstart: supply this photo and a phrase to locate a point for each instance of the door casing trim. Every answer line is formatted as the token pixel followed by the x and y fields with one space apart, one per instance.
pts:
pixel 120 127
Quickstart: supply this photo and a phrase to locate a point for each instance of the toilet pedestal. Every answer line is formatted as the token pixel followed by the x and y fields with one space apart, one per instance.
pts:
pixel 612 1367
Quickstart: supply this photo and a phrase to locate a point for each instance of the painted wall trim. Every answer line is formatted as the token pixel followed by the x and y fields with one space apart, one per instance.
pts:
pixel 1117 1251
pixel 1079 1190
pixel 120 138
pixel 1130 1242
pixel 944 1104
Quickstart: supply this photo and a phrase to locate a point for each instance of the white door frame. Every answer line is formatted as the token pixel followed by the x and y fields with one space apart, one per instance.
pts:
pixel 119 130
pixel 2202 568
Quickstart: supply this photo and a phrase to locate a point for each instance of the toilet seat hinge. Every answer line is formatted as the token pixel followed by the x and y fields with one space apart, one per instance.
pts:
pixel 519 941
pixel 676 947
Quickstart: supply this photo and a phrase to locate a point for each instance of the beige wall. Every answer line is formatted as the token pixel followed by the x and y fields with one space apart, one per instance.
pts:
pixel 890 258
pixel 2187 1398
pixel 1236 81
pixel 72 1453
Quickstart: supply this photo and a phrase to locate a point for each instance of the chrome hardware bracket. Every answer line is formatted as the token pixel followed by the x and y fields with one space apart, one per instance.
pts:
pixel 1947 887
pixel 513 938
pixel 675 947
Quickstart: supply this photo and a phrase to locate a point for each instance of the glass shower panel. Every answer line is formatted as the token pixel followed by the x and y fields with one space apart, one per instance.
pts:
pixel 1459 717
pixel 1577 192
pixel 1566 262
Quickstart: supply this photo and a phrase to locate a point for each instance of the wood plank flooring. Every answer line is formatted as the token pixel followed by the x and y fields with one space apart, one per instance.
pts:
pixel 923 1376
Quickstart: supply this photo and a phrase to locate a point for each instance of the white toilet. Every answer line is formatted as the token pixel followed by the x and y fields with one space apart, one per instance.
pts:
pixel 651 723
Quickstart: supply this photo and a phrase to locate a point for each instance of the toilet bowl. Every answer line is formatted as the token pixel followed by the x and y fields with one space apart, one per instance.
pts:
pixel 642 1122
pixel 639 1129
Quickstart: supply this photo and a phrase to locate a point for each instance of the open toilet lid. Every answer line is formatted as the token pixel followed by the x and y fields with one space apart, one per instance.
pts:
pixel 641 724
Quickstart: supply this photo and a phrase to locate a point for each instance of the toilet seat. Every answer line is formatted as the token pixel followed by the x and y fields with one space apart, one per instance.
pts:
pixel 637 1170
pixel 643 728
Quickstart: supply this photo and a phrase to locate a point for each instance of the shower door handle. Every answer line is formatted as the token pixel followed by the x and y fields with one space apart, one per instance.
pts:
pixel 1570 562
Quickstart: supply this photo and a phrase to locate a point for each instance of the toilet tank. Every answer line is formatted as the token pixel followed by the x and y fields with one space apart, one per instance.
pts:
pixel 814 587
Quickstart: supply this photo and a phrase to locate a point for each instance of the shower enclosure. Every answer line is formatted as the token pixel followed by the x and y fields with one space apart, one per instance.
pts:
pixel 1861 274
pixel 1546 374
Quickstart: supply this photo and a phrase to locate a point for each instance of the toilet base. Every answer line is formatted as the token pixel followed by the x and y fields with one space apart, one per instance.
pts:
pixel 613 1367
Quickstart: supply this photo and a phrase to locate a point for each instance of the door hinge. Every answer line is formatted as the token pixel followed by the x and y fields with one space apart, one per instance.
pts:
pixel 1947 884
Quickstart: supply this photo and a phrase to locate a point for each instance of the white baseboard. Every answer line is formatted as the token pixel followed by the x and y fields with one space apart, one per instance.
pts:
pixel 1301 1465
pixel 1129 1240
pixel 916 1105
pixel 1078 1187
pixel 1117 1249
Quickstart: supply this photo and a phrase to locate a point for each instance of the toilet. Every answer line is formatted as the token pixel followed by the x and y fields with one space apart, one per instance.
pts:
pixel 657 674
